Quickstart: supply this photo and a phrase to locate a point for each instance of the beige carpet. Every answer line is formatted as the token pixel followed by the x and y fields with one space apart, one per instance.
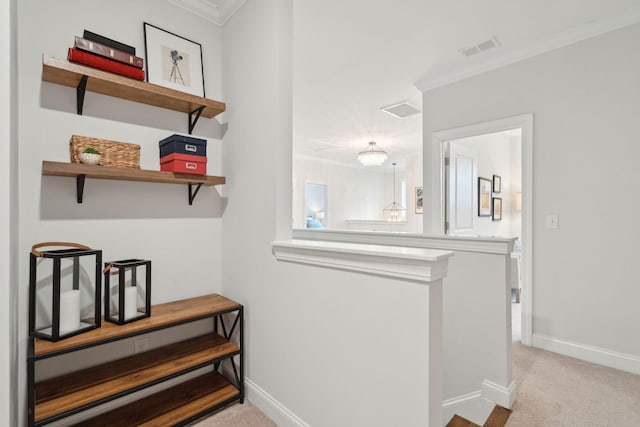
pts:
pixel 559 391
pixel 237 415
pixel 553 391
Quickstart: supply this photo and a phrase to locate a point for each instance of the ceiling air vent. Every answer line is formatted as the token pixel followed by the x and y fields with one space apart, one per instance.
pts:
pixel 480 47
pixel 401 110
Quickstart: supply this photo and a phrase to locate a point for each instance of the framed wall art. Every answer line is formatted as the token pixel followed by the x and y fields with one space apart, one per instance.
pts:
pixel 419 196
pixel 497 209
pixel 497 183
pixel 173 61
pixel 484 196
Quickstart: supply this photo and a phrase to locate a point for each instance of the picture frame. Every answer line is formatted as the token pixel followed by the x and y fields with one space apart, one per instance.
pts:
pixel 419 200
pixel 497 183
pixel 496 210
pixel 484 196
pixel 173 61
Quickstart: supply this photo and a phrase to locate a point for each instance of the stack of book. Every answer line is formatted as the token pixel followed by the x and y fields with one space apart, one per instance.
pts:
pixel 106 54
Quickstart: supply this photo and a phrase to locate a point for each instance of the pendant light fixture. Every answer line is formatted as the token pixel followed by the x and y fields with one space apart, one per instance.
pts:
pixel 372 155
pixel 394 212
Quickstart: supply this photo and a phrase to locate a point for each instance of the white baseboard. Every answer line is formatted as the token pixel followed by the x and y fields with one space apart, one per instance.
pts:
pixel 462 405
pixel 273 409
pixel 500 395
pixel 613 359
pixel 477 405
pixel 461 400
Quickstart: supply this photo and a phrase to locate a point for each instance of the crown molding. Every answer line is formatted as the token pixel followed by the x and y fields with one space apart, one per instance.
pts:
pixel 217 12
pixel 565 38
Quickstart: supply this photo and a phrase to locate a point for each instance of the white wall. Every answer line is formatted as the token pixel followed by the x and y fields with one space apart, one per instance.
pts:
pixel 8 215
pixel 124 219
pixel 313 334
pixel 354 193
pixel 494 154
pixel 476 336
pixel 584 99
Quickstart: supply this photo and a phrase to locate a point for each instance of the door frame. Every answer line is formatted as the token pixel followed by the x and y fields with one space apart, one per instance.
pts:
pixel 525 123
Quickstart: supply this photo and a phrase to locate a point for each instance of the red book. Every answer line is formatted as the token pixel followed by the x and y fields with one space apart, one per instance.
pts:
pixel 108 52
pixel 105 64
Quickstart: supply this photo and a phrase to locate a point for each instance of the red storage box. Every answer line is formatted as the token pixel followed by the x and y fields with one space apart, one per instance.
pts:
pixel 184 163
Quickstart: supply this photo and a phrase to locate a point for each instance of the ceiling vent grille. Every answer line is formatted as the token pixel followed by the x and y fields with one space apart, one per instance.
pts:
pixel 480 47
pixel 401 110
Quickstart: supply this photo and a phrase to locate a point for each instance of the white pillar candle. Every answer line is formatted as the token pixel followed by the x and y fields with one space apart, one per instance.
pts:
pixel 130 302
pixel 69 311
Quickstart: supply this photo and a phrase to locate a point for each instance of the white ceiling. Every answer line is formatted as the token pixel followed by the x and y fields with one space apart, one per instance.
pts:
pixel 352 57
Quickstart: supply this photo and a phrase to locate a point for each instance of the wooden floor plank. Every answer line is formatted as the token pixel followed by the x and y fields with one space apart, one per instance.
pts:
pixel 61 394
pixel 458 421
pixel 170 406
pixel 497 418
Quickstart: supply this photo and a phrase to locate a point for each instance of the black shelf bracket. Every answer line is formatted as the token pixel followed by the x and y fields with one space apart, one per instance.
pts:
pixel 192 193
pixel 80 91
pixel 194 120
pixel 80 186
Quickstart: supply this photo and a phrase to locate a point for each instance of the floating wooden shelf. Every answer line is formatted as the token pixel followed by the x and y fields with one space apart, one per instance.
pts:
pixel 83 78
pixel 174 406
pixel 57 398
pixel 82 171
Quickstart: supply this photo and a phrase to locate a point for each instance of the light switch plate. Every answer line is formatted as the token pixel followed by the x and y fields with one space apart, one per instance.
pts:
pixel 552 221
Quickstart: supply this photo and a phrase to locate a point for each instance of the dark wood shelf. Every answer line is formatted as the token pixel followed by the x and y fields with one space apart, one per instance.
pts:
pixel 66 73
pixel 91 386
pixel 81 171
pixel 162 316
pixel 174 406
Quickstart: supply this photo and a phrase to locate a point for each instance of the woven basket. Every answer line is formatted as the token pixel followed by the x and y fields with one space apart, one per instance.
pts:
pixel 113 153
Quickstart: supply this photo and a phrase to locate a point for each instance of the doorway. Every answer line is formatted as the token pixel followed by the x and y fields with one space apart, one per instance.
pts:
pixel 456 205
pixel 315 205
pixel 483 182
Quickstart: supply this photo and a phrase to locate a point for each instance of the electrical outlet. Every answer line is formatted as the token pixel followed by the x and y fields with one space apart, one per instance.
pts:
pixel 141 345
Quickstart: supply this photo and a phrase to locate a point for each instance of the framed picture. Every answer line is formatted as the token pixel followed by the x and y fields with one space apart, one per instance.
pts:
pixel 484 197
pixel 497 183
pixel 497 209
pixel 419 200
pixel 173 61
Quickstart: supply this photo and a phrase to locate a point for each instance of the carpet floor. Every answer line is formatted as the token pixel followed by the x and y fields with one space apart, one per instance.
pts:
pixel 553 391
pixel 245 415
pixel 559 391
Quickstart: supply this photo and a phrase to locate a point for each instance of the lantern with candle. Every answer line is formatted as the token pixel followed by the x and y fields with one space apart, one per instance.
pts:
pixel 131 284
pixel 65 286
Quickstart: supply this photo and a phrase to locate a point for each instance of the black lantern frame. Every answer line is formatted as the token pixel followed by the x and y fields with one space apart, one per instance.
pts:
pixel 118 317
pixel 53 332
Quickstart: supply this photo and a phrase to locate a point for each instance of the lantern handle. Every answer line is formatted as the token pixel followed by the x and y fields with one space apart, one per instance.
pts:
pixel 44 244
pixel 107 268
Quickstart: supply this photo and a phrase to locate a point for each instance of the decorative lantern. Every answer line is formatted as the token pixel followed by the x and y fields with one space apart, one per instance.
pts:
pixel 65 287
pixel 123 296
